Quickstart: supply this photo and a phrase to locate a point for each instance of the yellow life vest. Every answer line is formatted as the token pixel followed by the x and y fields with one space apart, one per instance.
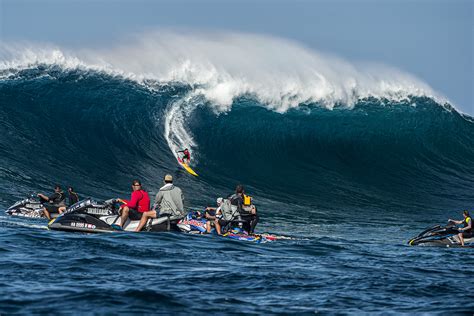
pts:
pixel 247 200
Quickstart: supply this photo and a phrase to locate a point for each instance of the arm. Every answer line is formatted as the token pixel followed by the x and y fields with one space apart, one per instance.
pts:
pixel 469 226
pixel 133 203
pixel 44 197
pixel 455 222
pixel 158 198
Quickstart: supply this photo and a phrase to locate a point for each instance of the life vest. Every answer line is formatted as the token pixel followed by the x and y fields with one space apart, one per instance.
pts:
pixel 247 200
pixel 466 223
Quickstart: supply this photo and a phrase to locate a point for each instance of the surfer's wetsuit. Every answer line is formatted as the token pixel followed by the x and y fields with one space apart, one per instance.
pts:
pixel 186 155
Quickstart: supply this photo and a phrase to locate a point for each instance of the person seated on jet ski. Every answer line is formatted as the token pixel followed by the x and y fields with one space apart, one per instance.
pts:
pixel 213 213
pixel 242 209
pixel 466 231
pixel 186 158
pixel 134 209
pixel 55 202
pixel 73 198
pixel 245 208
pixel 169 202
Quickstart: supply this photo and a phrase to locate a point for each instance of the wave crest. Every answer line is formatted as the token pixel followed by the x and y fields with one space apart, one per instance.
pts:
pixel 279 73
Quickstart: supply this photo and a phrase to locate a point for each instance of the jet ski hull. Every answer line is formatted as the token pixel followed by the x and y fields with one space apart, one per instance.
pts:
pixel 30 208
pixel 440 236
pixel 88 216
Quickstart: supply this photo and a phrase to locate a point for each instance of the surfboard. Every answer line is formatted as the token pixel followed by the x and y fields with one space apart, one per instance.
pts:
pixel 186 167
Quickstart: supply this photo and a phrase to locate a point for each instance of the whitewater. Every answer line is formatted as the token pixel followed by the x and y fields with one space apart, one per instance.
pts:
pixel 351 159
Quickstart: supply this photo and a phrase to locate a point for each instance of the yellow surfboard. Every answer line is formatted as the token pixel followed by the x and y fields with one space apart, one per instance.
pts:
pixel 187 168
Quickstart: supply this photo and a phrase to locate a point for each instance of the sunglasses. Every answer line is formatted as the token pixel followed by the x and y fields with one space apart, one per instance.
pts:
pixel 136 185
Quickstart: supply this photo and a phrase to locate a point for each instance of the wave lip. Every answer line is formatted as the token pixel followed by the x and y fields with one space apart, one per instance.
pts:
pixel 221 66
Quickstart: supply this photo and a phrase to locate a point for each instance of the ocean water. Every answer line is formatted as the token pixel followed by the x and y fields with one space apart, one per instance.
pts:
pixel 350 179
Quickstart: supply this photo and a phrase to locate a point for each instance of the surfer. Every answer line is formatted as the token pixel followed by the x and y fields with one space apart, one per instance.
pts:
pixel 169 201
pixel 135 208
pixel 55 202
pixel 466 231
pixel 186 158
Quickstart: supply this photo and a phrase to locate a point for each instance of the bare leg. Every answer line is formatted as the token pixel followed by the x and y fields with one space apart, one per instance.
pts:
pixel 61 209
pixel 218 227
pixel 46 213
pixel 208 227
pixel 461 238
pixel 144 218
pixel 124 216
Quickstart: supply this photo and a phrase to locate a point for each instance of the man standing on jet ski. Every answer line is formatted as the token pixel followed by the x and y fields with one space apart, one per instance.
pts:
pixel 466 231
pixel 169 201
pixel 55 202
pixel 135 208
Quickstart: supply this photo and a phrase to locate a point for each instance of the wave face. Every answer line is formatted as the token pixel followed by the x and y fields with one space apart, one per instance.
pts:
pixel 80 127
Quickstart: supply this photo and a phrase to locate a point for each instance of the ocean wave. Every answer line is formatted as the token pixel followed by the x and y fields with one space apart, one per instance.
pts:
pixel 81 126
pixel 279 73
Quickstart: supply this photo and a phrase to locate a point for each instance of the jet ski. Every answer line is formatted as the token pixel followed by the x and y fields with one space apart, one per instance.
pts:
pixel 91 216
pixel 31 207
pixel 442 236
pixel 195 223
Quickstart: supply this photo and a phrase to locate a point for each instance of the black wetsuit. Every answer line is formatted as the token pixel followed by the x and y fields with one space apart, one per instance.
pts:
pixel 251 219
pixel 73 198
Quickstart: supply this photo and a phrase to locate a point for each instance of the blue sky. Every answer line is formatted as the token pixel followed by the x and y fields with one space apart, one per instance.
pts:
pixel 431 39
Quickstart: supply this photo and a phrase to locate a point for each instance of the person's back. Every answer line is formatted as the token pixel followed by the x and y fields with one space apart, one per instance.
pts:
pixel 57 199
pixel 73 196
pixel 170 199
pixel 140 201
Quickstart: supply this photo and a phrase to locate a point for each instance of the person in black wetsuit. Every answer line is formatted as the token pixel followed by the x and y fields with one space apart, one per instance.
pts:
pixel 245 208
pixel 73 198
pixel 54 202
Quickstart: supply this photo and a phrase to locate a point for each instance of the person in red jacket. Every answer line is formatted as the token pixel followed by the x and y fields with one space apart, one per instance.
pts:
pixel 139 203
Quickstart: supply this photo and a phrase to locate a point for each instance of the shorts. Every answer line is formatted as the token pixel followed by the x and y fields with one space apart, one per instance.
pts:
pixel 467 234
pixel 211 212
pixel 134 215
pixel 223 223
pixel 52 209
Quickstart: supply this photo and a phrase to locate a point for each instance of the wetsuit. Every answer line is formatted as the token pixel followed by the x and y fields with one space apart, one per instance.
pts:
pixel 242 212
pixel 139 203
pixel 186 155
pixel 246 214
pixel 55 201
pixel 73 198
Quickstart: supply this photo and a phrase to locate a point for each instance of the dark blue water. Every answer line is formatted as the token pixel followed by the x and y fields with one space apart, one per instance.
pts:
pixel 351 186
